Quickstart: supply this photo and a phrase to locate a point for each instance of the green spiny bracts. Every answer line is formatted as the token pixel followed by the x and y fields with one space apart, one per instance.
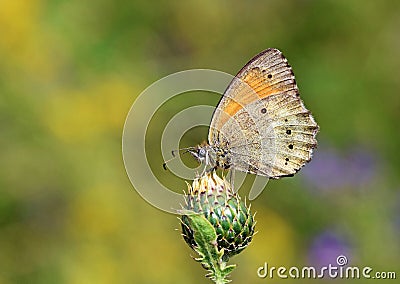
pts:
pixel 212 197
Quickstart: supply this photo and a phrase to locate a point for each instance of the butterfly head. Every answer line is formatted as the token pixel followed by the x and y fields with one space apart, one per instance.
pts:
pixel 203 153
pixel 200 152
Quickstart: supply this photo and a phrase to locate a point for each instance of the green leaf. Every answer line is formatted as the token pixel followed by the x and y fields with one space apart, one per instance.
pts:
pixel 210 257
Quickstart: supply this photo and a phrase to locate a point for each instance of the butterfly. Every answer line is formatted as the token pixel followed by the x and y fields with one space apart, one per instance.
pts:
pixel 260 125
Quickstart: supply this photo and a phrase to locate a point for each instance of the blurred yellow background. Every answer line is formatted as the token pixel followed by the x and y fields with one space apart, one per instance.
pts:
pixel 70 70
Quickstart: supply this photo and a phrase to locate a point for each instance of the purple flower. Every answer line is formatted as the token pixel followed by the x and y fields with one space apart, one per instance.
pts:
pixel 361 165
pixel 330 169
pixel 326 248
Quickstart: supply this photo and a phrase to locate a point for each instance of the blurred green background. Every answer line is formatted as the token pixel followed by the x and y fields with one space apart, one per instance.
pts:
pixel 70 71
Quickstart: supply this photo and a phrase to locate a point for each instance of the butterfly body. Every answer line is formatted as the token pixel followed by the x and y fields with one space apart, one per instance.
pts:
pixel 261 125
pixel 219 157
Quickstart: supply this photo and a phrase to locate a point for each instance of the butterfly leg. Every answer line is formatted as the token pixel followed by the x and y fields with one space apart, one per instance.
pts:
pixel 207 161
pixel 232 178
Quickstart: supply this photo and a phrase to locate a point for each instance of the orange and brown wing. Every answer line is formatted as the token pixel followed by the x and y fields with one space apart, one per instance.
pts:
pixel 261 122
pixel 267 74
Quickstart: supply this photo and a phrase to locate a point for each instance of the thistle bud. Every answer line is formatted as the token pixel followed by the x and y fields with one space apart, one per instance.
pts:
pixel 229 216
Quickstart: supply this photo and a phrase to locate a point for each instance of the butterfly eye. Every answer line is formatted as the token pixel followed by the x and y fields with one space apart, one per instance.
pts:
pixel 202 152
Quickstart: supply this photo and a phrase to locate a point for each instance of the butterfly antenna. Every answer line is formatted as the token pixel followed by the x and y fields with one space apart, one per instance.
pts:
pixel 167 161
pixel 173 152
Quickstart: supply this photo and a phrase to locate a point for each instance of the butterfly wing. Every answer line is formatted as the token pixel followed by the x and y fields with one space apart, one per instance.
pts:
pixel 262 121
